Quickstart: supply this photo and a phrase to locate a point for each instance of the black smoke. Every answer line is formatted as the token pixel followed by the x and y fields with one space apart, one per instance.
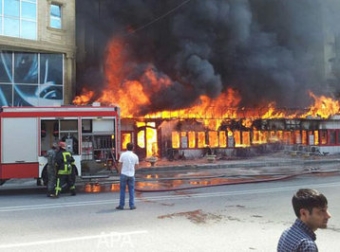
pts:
pixel 267 50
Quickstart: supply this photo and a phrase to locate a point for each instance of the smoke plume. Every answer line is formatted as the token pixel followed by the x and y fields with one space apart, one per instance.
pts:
pixel 267 50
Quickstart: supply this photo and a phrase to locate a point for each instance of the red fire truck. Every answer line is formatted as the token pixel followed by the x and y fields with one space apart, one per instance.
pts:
pixel 26 133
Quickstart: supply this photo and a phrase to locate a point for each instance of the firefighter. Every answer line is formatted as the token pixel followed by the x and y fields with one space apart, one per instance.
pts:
pixel 65 170
pixel 51 170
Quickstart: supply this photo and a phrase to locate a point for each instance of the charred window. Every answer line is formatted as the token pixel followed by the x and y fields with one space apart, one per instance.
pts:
pixel 222 139
pixel 126 138
pixel 213 139
pixel 332 137
pixel 337 137
pixel 201 140
pixel 323 136
pixel 175 139
pixel 192 139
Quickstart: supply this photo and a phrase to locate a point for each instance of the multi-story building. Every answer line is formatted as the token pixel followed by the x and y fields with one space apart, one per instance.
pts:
pixel 37 52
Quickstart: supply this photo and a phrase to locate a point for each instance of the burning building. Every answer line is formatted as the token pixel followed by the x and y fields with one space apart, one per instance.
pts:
pixel 208 76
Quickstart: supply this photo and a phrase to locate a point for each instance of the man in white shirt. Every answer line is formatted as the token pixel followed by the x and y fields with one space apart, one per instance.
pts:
pixel 128 162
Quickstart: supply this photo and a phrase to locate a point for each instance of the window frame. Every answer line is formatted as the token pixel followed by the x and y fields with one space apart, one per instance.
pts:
pixel 53 19
pixel 21 19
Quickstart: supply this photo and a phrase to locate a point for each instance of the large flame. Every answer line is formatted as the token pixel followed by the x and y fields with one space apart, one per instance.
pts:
pixel 131 95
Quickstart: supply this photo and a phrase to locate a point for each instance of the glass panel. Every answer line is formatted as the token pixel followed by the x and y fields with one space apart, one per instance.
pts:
pixel 55 10
pixel 26 68
pixel 28 92
pixel 11 27
pixel 56 23
pixel 49 93
pixel 55 16
pixel 5 67
pixel 6 95
pixel 28 30
pixel 0 7
pixel 24 95
pixel 51 68
pixel 11 8
pixel 29 11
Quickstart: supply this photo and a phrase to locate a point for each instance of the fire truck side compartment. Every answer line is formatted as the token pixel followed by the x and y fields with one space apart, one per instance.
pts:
pixel 20 157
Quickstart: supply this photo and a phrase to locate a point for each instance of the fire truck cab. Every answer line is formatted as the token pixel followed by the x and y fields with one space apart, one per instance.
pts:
pixel 27 133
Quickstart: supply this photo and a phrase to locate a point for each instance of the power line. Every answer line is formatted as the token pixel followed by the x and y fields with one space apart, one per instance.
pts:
pixel 160 17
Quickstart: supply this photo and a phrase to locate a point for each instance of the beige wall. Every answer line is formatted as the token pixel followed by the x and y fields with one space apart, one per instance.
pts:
pixel 51 40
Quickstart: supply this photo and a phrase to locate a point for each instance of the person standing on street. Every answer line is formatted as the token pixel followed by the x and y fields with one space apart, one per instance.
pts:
pixel 65 170
pixel 311 210
pixel 51 170
pixel 128 163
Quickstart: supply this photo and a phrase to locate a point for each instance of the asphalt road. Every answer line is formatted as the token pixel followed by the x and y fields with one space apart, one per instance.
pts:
pixel 236 218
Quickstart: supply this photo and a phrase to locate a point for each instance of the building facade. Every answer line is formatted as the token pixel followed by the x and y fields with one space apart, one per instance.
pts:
pixel 37 52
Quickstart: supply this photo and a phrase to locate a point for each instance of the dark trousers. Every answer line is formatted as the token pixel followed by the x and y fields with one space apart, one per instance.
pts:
pixel 51 179
pixel 65 182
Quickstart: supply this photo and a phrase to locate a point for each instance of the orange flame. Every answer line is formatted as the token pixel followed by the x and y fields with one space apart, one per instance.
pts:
pixel 323 107
pixel 131 95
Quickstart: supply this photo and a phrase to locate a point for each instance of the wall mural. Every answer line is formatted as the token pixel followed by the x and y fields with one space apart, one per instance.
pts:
pixel 31 79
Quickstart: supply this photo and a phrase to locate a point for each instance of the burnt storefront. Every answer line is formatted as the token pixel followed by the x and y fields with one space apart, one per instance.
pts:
pixel 188 138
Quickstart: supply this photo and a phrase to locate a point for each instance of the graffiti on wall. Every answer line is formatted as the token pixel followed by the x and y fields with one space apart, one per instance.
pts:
pixel 31 79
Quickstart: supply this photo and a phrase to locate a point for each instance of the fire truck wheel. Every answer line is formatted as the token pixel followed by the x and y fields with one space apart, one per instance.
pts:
pixel 2 181
pixel 39 182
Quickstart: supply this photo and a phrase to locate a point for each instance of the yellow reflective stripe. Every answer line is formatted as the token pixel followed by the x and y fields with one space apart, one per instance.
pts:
pixel 57 187
pixel 65 171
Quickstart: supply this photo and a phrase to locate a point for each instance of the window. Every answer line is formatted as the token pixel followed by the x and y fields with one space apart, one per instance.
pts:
pixel 31 79
pixel 213 138
pixel 332 137
pixel 323 136
pixel 55 16
pixel 192 139
pixel 18 18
